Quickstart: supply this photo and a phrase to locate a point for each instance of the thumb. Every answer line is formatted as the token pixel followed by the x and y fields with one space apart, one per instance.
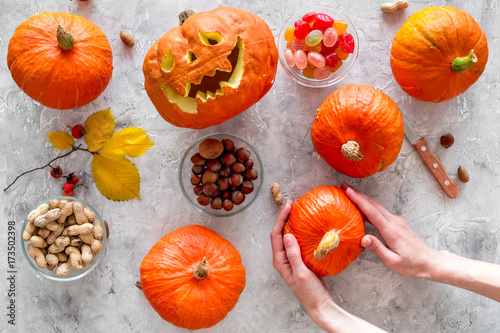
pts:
pixel 376 246
pixel 293 252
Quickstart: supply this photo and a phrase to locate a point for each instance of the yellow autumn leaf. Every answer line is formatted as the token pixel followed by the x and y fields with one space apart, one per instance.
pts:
pixel 61 140
pixel 117 179
pixel 131 141
pixel 99 128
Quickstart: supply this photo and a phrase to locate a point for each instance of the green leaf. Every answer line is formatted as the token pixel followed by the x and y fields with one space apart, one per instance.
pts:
pixel 61 140
pixel 118 179
pixel 99 128
pixel 132 141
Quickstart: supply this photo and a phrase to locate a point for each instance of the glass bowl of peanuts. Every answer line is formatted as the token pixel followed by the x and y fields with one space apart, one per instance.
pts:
pixel 221 174
pixel 63 238
pixel 318 46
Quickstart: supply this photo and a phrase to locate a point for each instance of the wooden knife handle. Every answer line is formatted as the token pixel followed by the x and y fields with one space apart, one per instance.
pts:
pixel 436 168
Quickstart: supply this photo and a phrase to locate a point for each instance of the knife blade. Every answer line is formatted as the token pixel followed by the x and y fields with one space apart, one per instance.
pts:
pixel 430 160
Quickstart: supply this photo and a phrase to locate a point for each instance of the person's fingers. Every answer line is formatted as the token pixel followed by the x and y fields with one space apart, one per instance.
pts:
pixel 371 212
pixel 374 244
pixel 372 201
pixel 276 232
pixel 293 252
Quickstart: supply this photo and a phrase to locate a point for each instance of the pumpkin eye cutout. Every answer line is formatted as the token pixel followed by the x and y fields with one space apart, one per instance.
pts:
pixel 210 38
pixel 191 57
pixel 168 62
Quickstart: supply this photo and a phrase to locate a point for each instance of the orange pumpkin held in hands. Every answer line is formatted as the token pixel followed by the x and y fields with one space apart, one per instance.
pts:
pixel 211 68
pixel 328 228
pixel 192 277
pixel 61 60
pixel 358 130
pixel 438 53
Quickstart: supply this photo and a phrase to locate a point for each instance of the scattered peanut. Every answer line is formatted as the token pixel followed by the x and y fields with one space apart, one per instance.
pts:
pixel 64 269
pixel 52 259
pixel 76 229
pixel 395 5
pixel 86 255
pixel 89 213
pixel 97 231
pixel 38 255
pixel 54 203
pixel 62 241
pixel 40 210
pixel 127 38
pixel 275 190
pixel 28 231
pixel 52 215
pixel 80 216
pixel 463 174
pixel 66 211
pixel 38 242
pixel 95 245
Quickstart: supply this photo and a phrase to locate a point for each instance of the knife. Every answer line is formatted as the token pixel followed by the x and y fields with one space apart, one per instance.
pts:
pixel 431 161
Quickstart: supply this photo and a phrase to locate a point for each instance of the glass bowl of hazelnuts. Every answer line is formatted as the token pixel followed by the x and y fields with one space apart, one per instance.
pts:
pixel 221 174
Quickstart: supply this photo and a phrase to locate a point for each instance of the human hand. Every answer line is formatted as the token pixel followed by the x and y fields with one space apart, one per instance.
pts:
pixel 404 252
pixel 309 289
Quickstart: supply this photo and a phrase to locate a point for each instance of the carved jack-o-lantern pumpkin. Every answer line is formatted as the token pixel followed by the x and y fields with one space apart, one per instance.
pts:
pixel 211 68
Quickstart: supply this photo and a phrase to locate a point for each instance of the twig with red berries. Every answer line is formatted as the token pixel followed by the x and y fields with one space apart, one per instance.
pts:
pixel 56 172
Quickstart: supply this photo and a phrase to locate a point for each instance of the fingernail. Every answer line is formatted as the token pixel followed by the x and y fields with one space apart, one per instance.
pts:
pixel 288 239
pixel 344 185
pixel 365 242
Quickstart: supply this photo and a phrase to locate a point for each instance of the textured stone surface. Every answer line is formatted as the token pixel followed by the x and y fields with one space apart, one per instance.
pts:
pixel 279 127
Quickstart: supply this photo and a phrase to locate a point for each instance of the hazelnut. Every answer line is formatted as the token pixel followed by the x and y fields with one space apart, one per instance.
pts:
pixel 216 203
pixel 228 159
pixel 242 154
pixel 247 186
pixel 211 148
pixel 251 174
pixel 195 180
pixel 447 140
pixel 209 177
pixel 209 189
pixel 197 190
pixel 248 163
pixel 197 159
pixel 216 194
pixel 228 145
pixel 227 205
pixel 236 179
pixel 204 199
pixel 238 167
pixel 225 171
pixel 214 165
pixel 226 195
pixel 223 184
pixel 237 197
pixel 197 169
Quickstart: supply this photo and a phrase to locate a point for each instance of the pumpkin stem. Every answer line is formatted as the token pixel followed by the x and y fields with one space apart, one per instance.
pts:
pixel 184 15
pixel 329 241
pixel 64 38
pixel 350 150
pixel 460 65
pixel 201 270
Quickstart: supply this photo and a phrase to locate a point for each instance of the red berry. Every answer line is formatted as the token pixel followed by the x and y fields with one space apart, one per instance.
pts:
pixel 309 17
pixel 68 194
pixel 72 179
pixel 67 187
pixel 324 20
pixel 302 28
pixel 56 172
pixel 331 60
pixel 78 131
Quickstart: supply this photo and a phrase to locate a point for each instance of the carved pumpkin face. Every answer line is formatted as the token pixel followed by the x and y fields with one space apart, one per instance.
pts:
pixel 214 66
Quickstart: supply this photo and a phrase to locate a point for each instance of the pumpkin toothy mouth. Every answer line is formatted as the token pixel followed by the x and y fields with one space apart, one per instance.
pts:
pixel 210 86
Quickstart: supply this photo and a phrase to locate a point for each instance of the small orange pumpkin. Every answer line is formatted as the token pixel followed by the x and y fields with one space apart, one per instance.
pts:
pixel 328 228
pixel 211 68
pixel 61 60
pixel 438 53
pixel 358 130
pixel 192 277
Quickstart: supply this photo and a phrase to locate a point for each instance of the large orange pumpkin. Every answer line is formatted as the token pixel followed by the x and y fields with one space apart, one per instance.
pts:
pixel 328 228
pixel 61 60
pixel 358 130
pixel 192 277
pixel 438 53
pixel 211 68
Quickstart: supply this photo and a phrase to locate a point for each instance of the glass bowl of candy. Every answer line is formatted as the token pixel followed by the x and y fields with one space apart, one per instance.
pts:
pixel 221 174
pixel 318 46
